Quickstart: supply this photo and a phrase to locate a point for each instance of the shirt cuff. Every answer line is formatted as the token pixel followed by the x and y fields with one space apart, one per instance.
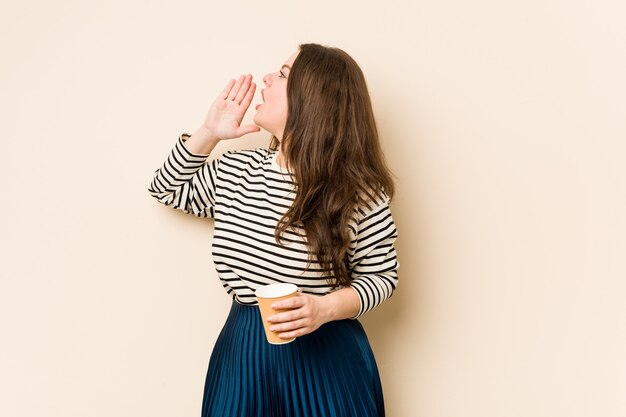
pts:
pixel 181 139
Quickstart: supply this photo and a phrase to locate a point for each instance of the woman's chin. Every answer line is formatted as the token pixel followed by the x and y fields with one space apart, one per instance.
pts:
pixel 257 121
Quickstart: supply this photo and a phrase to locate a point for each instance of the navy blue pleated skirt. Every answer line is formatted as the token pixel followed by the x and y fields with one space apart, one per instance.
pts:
pixel 330 372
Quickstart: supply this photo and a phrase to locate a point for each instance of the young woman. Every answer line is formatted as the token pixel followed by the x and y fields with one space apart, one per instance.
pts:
pixel 312 210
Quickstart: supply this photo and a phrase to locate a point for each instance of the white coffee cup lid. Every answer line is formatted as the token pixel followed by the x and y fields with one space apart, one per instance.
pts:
pixel 276 290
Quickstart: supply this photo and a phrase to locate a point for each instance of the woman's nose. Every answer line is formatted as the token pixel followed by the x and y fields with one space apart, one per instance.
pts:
pixel 267 79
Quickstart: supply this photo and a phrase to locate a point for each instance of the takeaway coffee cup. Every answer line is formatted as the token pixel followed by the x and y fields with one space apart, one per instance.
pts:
pixel 266 296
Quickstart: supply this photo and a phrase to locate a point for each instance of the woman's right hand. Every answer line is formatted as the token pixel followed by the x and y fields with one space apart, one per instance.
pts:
pixel 226 113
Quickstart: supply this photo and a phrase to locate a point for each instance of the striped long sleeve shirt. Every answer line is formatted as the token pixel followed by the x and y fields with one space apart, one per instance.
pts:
pixel 246 193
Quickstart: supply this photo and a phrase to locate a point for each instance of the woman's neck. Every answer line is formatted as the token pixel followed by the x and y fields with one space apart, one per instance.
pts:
pixel 280 159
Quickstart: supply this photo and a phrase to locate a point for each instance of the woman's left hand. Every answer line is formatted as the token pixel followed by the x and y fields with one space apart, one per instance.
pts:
pixel 308 313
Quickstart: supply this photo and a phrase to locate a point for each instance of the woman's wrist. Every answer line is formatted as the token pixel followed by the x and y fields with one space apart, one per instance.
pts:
pixel 341 304
pixel 202 142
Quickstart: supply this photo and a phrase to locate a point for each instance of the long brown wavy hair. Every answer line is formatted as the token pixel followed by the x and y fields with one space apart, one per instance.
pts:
pixel 331 146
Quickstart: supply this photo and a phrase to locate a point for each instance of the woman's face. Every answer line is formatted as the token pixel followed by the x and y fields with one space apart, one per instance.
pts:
pixel 271 115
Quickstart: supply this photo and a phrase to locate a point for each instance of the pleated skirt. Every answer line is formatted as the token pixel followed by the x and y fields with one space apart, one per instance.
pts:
pixel 330 372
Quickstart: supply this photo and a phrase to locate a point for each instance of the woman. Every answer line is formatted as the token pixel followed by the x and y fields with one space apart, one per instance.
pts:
pixel 312 210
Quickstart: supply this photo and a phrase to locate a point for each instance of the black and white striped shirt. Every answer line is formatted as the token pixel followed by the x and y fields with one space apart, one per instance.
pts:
pixel 247 192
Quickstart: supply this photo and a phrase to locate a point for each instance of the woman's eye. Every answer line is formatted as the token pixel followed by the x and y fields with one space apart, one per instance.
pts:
pixel 281 74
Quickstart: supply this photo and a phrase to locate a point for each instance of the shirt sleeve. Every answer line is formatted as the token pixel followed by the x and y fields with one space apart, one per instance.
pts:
pixel 186 181
pixel 372 256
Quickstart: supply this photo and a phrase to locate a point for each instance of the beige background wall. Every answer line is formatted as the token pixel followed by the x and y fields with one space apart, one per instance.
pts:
pixel 504 122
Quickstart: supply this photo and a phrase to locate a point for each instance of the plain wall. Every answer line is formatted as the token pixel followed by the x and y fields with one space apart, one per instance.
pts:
pixel 503 121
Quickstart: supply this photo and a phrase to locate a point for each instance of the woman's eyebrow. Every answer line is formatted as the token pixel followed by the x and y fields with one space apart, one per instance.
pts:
pixel 288 67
